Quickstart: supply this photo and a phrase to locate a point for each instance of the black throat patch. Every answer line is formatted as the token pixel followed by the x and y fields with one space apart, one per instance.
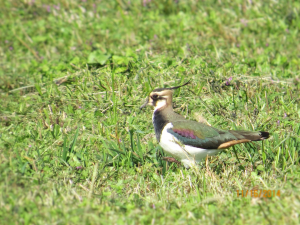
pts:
pixel 159 122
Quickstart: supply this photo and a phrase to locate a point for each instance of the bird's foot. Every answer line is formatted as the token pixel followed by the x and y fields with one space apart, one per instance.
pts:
pixel 171 159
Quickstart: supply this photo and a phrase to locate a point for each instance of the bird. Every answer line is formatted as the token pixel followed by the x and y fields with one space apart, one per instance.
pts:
pixel 190 141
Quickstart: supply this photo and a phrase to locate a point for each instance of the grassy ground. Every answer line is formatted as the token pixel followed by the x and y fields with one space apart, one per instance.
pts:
pixel 76 149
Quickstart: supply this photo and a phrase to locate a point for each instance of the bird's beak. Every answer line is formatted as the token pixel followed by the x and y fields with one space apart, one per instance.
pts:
pixel 145 104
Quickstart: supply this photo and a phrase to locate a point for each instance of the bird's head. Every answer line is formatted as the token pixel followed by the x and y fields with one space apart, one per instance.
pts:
pixel 161 97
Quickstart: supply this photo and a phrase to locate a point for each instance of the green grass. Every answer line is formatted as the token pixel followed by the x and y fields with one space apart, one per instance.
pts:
pixel 76 149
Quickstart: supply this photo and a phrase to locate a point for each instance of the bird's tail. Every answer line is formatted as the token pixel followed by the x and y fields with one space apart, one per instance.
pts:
pixel 250 135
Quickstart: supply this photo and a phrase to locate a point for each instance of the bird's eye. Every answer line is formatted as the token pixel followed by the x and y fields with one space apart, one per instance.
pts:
pixel 154 96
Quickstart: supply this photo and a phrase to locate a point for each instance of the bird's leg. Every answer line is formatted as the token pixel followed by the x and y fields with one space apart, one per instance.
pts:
pixel 171 159
pixel 206 163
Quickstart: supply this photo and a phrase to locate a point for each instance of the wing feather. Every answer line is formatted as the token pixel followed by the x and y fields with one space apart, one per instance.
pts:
pixel 200 135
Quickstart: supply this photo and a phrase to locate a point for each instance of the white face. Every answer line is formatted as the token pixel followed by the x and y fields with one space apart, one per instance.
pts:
pixel 159 99
pixel 160 103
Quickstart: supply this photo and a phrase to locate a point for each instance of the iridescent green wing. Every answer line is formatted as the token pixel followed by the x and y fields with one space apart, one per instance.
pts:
pixel 199 135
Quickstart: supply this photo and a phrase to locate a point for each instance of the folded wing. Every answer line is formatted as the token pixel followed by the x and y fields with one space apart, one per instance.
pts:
pixel 201 135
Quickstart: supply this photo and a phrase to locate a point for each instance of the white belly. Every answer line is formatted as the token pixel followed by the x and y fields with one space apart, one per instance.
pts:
pixel 188 155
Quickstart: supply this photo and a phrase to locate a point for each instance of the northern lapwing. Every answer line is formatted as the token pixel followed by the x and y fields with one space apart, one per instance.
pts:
pixel 190 141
